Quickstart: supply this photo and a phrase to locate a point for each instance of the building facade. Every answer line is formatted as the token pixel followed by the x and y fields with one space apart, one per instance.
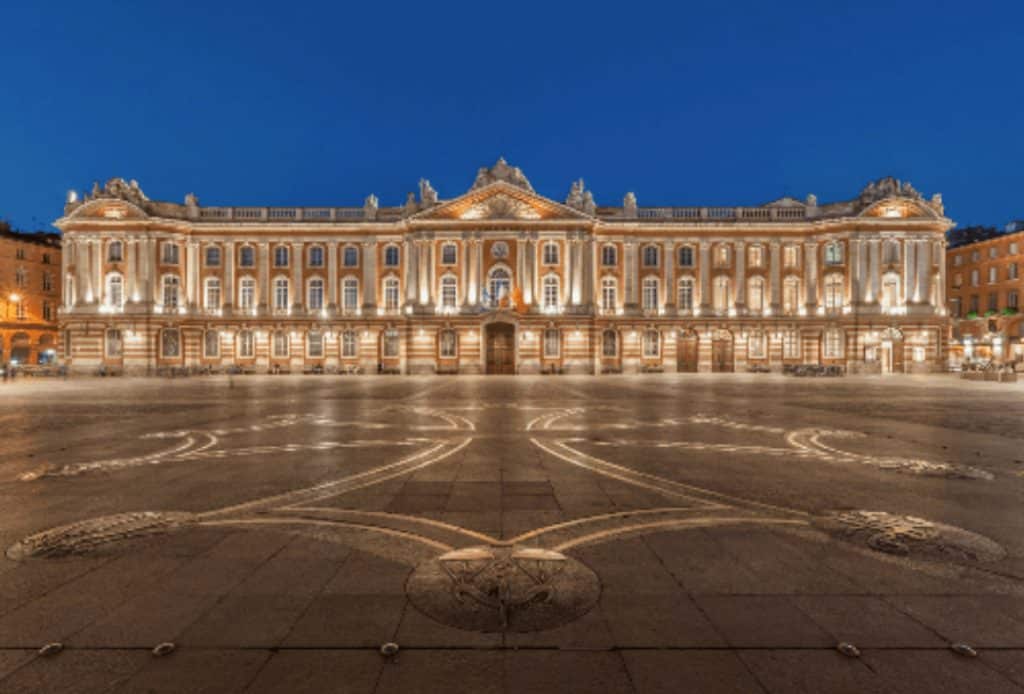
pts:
pixel 30 295
pixel 985 290
pixel 503 280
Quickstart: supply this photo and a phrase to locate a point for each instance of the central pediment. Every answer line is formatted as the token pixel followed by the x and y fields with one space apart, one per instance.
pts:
pixel 500 200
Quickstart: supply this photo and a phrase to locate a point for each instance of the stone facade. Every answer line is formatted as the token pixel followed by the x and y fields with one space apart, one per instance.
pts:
pixel 503 280
pixel 30 295
pixel 985 290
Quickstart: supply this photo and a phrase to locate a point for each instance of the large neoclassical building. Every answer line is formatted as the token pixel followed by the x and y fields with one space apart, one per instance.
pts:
pixel 503 280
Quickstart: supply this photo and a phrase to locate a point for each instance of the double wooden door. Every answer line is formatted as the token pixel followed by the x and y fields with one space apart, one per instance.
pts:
pixel 721 355
pixel 687 355
pixel 501 349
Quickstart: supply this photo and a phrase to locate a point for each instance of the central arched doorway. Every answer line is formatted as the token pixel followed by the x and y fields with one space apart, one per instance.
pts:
pixel 501 348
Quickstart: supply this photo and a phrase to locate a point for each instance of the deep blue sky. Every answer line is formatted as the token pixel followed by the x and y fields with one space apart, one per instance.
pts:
pixel 685 103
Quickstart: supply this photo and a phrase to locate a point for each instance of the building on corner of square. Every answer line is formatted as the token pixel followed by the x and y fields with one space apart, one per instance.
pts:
pixel 29 296
pixel 984 291
pixel 500 279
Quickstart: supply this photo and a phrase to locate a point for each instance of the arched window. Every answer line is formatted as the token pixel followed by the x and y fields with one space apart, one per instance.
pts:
pixel 212 256
pixel 609 295
pixel 755 294
pixel 686 256
pixel 115 291
pixel 685 298
pixel 609 343
pixel 650 294
pixel 722 296
pixel 550 253
pixel 652 343
pixel 550 295
pixel 247 256
pixel 170 343
pixel 247 293
pixel 391 256
pixel 211 344
pixel 834 253
pixel 315 298
pixel 608 256
pixel 171 287
pixel 349 344
pixel 314 344
pixel 246 344
pixel 281 256
pixel 281 294
pixel 350 294
pixel 499 284
pixel 650 256
pixel 447 344
pixel 833 292
pixel 350 256
pixel 115 252
pixel 211 294
pixel 316 256
pixel 791 295
pixel 391 294
pixel 833 347
pixel 280 344
pixel 449 292
pixel 449 254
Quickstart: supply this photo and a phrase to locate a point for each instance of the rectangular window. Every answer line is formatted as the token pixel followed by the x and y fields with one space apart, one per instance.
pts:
pixel 790 256
pixel 974 303
pixel 316 256
pixel 919 354
pixel 954 307
pixel 993 252
pixel 449 252
pixel 212 256
pixel 281 340
pixel 1011 299
pixel 833 344
pixel 281 294
pixel 449 291
pixel 1014 248
pixel 650 295
pixel 686 295
pixel 551 253
pixel 316 345
pixel 247 293
pixel 993 302
pixel 316 295
pixel 247 256
pixel 211 344
pixel 993 275
pixel 246 344
pixel 1011 271
pixel 114 345
pixel 391 295
pixel 958 260
pixel 170 343
pixel 212 294
pixel 20 310
pixel 349 344
pixel 974 277
pixel 48 313
pixel 170 256
pixel 391 343
pixel 608 295
pixel 350 256
pixel 552 342
pixel 350 295
pixel 281 256
pixel 47 282
pixel 756 256
pixel 755 346
pixel 652 342
pixel 686 256
pixel 791 345
pixel 448 344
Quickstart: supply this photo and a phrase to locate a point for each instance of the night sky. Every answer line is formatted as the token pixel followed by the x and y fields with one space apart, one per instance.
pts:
pixel 718 103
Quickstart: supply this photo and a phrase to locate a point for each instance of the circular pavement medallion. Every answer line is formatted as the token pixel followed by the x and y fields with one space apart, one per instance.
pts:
pixel 89 535
pixel 503 589
pixel 910 536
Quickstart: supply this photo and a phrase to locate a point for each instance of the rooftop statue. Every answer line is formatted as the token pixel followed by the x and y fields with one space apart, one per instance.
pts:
pixel 501 171
pixel 428 196
pixel 886 188
pixel 119 188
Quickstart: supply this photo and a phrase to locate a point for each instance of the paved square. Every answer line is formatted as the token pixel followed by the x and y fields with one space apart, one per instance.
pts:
pixel 654 533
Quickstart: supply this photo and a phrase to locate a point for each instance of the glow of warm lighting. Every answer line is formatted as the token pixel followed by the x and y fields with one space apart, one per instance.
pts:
pixel 892 211
pixel 821 311
pixel 408 310
pixel 113 213
pixel 732 312
pixel 15 298
pixel 767 312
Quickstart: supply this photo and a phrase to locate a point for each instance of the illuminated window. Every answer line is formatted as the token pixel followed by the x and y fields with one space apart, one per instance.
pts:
pixel 833 292
pixel 755 294
pixel 550 295
pixel 315 299
pixel 652 343
pixel 447 344
pixel 246 344
pixel 755 256
pixel 280 344
pixel 246 293
pixel 756 346
pixel 115 290
pixel 609 294
pixel 609 343
pixel 650 294
pixel 550 253
pixel 211 294
pixel 833 347
pixel 499 285
pixel 449 292
pixel 171 286
pixel 552 342
pixel 890 291
pixel 791 295
pixel 211 344
pixel 791 256
pixel 919 354
pixel 722 300
pixel 685 299
pixel 721 255
pixel 350 294
pixel 791 344
pixel 349 344
pixel 391 294
pixel 314 344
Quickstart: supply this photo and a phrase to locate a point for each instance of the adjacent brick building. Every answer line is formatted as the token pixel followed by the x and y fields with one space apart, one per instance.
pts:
pixel 985 291
pixel 30 294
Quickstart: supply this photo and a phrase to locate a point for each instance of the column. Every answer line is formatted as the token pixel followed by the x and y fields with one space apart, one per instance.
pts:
pixel 478 252
pixel 774 269
pixel 192 274
pixel 577 271
pixel 96 249
pixel 530 256
pixel 589 271
pixel 431 253
pixel 469 259
pixel 412 261
pixel 332 275
pixel 924 275
pixel 298 290
pixel 83 277
pixel 422 273
pixel 704 269
pixel 854 271
pixel 908 271
pixel 741 277
pixel 874 270
pixel 153 287
pixel 67 248
pixel 668 260
pixel 263 276
pixel 940 297
pixel 463 260
pixel 228 290
pixel 632 272
pixel 131 269
pixel 567 266
pixel 520 277
pixel 369 277
pixel 811 275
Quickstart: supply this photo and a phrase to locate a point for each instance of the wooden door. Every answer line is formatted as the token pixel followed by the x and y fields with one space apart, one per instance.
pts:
pixel 501 349
pixel 686 356
pixel 721 356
